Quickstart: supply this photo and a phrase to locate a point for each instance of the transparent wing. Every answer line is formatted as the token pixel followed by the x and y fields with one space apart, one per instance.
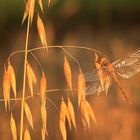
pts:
pixel 91 76
pixel 93 83
pixel 94 87
pixel 129 66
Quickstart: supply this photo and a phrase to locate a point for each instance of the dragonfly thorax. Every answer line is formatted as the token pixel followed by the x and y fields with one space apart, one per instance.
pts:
pixel 104 61
pixel 106 65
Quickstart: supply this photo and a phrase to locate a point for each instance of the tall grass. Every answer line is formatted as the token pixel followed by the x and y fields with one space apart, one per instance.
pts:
pixel 67 110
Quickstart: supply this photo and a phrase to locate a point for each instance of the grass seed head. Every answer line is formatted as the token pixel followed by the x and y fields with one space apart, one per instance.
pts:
pixel 13 127
pixel 67 71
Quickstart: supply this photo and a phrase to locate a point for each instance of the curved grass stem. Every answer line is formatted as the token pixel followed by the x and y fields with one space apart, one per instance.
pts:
pixel 50 47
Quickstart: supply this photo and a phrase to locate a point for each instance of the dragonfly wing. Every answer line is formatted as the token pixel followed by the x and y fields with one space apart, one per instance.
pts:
pixel 94 85
pixel 129 66
pixel 91 76
pixel 93 88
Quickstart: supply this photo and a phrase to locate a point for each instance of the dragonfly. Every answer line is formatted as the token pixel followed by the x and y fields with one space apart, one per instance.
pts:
pixel 100 79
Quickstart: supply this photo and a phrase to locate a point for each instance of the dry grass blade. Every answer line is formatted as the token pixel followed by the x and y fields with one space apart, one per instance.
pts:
pixel 28 114
pixel 31 72
pixel 63 113
pixel 99 70
pixel 71 113
pixel 85 115
pixel 43 88
pixel 68 118
pixel 67 71
pixel 43 133
pixel 32 10
pixel 6 89
pixel 63 109
pixel 107 84
pixel 31 77
pixel 27 135
pixel 44 121
pixel 81 87
pixel 29 10
pixel 44 116
pixel 63 129
pixel 41 31
pixel 13 127
pixel 26 12
pixel 12 76
pixel 40 4
pixel 90 111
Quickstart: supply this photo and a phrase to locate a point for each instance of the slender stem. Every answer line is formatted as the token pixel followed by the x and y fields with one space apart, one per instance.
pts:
pixel 11 99
pixel 72 58
pixel 37 61
pixel 54 105
pixel 24 79
pixel 47 92
pixel 49 47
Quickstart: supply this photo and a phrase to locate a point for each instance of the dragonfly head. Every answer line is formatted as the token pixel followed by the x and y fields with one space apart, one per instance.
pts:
pixel 104 61
pixel 101 60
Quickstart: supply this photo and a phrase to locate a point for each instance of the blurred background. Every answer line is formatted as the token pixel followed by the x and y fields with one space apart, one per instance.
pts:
pixel 110 26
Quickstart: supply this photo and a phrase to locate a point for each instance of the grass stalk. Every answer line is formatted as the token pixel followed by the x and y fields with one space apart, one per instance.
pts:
pixel 24 78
